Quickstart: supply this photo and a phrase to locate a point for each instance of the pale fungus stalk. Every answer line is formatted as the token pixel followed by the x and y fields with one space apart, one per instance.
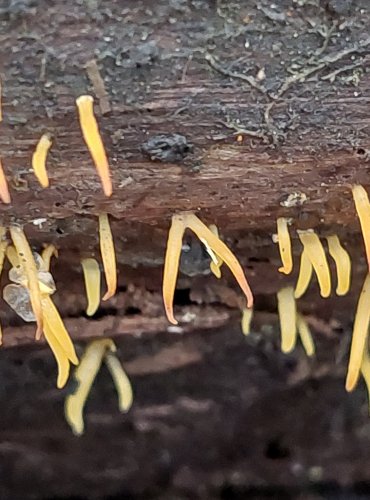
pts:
pixel 215 266
pixel 285 245
pixel 247 315
pixel 359 336
pixel 362 205
pixel 4 190
pixel 288 318
pixel 304 277
pixel 316 254
pixel 59 354
pixel 91 134
pixel 27 261
pixel 46 255
pixel 85 375
pixel 12 256
pixel 108 255
pixel 39 160
pixel 121 382
pixel 91 272
pixel 343 264
pixel 305 335
pixel 365 372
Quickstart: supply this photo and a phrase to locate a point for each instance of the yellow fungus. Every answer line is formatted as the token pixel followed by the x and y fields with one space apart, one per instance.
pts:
pixel 316 254
pixel 46 255
pixel 359 336
pixel 246 320
pixel 305 274
pixel 285 245
pixel 85 375
pixel 342 262
pixel 91 272
pixel 361 200
pixel 55 322
pixel 189 220
pixel 215 266
pixel 365 372
pixel 12 256
pixel 288 318
pixel 4 190
pixel 305 335
pixel 39 160
pixel 59 354
pixel 108 255
pixel 91 134
pixel 121 382
pixel 27 261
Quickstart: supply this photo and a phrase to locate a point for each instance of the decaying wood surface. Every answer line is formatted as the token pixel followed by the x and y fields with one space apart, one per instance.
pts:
pixel 242 111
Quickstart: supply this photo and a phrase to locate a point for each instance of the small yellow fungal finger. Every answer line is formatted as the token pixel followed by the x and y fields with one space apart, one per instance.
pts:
pixel 285 245
pixel 85 375
pixel 108 255
pixel 171 264
pixel 4 190
pixel 59 354
pixel 91 272
pixel 361 200
pixel 216 266
pixel 46 255
pixel 342 262
pixel 121 382
pixel 27 262
pixel 91 134
pixel 305 335
pixel 316 253
pixel 51 314
pixel 221 250
pixel 12 256
pixel 39 160
pixel 359 336
pixel 305 274
pixel 247 315
pixel 288 318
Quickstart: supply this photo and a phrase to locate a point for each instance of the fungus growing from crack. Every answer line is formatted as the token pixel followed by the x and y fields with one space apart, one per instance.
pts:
pixel 247 315
pixel 316 254
pixel 91 272
pixel 85 375
pixel 92 137
pixel 4 190
pixel 304 277
pixel 108 255
pixel 59 355
pixel 359 335
pixel 180 223
pixel 39 160
pixel 288 318
pixel 305 335
pixel 362 205
pixel 27 262
pixel 285 245
pixel 46 255
pixel 343 264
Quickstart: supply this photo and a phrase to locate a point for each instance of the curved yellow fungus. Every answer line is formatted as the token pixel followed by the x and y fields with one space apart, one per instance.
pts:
pixel 59 354
pixel 215 265
pixel 305 335
pixel 288 318
pixel 247 315
pixel 91 272
pixel 305 275
pixel 362 205
pixel 359 336
pixel 285 245
pixel 108 256
pixel 171 266
pixel 85 375
pixel 316 254
pixel 4 190
pixel 46 255
pixel 342 262
pixel 91 134
pixel 39 160
pixel 12 256
pixel 121 382
pixel 27 261
pixel 51 315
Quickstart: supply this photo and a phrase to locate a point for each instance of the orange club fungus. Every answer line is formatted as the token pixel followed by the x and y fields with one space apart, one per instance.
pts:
pixel 108 255
pixel 39 160
pixel 285 245
pixel 180 223
pixel 343 264
pixel 91 272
